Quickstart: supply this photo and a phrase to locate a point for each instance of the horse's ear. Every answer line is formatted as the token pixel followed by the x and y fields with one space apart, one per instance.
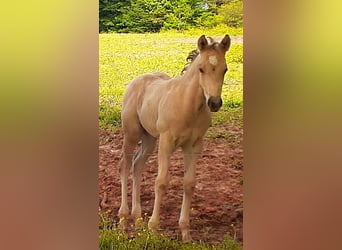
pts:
pixel 202 42
pixel 225 43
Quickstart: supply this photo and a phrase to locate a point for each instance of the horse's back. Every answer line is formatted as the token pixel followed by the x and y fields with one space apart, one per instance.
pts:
pixel 136 88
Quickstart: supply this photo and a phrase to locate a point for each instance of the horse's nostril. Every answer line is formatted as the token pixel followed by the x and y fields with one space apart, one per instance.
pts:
pixel 214 103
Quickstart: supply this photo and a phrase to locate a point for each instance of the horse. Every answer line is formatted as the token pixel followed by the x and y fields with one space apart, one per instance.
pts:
pixel 178 112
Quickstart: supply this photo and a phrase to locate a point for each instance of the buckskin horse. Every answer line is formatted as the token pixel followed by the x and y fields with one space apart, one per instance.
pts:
pixel 178 112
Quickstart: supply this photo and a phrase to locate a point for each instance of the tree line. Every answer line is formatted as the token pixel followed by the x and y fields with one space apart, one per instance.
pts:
pixel 156 15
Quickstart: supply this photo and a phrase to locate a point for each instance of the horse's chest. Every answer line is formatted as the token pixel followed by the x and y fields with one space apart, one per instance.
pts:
pixel 188 136
pixel 192 131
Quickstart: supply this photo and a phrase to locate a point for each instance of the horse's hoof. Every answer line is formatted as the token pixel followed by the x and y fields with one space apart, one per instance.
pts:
pixel 153 225
pixel 186 237
pixel 139 222
pixel 122 223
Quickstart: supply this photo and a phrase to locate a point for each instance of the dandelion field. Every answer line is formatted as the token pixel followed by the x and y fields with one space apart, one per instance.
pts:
pixel 126 56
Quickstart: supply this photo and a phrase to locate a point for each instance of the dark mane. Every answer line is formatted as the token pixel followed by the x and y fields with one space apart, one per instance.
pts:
pixel 194 53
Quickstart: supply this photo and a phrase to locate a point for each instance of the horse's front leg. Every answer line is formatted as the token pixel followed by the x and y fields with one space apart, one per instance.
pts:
pixel 191 154
pixel 165 149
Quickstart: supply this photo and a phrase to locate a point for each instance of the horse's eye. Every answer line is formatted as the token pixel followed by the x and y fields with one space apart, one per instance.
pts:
pixel 225 70
pixel 201 70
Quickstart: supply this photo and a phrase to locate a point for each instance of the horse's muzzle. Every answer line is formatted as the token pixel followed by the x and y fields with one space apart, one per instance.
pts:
pixel 214 103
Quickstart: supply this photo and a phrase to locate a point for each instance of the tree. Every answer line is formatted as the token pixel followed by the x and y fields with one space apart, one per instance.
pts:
pixel 109 10
pixel 154 15
pixel 142 16
pixel 232 13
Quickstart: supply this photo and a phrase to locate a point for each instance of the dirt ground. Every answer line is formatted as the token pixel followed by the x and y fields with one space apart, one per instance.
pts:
pixel 217 205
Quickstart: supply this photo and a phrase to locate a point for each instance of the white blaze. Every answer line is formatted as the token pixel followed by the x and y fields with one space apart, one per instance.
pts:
pixel 213 60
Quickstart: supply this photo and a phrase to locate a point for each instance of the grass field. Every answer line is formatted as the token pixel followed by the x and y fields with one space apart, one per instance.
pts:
pixel 126 56
pixel 112 238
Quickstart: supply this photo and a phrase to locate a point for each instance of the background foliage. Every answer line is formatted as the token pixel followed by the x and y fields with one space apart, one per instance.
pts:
pixel 141 16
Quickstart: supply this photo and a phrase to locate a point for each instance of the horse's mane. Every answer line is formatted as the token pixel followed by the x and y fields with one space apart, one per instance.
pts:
pixel 194 53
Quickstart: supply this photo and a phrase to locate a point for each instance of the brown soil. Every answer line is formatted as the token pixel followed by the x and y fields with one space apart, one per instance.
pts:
pixel 217 205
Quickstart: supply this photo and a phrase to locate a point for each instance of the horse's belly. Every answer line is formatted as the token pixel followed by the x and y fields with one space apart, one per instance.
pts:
pixel 148 116
pixel 149 126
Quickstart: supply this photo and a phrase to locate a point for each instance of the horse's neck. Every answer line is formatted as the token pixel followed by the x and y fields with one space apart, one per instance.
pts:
pixel 193 92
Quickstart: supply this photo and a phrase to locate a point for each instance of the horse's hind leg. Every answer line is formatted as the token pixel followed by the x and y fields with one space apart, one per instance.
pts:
pixel 146 149
pixel 132 135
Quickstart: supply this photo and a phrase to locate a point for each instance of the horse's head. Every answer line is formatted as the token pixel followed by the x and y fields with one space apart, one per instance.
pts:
pixel 212 67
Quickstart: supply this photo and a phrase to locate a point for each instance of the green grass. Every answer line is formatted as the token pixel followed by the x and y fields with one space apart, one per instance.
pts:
pixel 112 238
pixel 126 56
pixel 219 30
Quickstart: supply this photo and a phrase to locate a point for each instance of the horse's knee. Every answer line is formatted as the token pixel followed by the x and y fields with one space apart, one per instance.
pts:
pixel 189 186
pixel 124 164
pixel 162 184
